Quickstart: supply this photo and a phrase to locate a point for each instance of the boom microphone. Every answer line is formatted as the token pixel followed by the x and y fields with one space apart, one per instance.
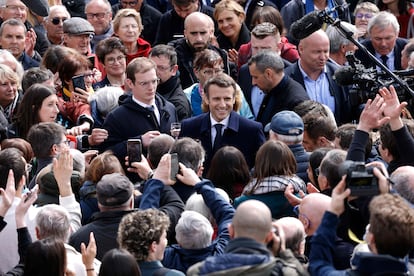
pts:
pixel 344 76
pixel 306 26
pixel 313 21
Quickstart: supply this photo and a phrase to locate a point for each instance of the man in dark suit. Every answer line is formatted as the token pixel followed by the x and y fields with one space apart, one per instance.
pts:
pixel 384 42
pixel 265 36
pixel 315 74
pixel 280 91
pixel 222 126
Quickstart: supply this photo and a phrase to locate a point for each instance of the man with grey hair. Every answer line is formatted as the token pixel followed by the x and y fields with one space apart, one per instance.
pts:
pixel 53 221
pixel 54 24
pixel 339 44
pixel 383 42
pixel 99 14
pixel 403 182
pixel 288 127
pixel 194 231
pixel 281 91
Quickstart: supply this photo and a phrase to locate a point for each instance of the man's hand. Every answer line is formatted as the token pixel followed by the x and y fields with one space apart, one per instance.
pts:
pixel 148 136
pixel 381 173
pixel 393 107
pixel 372 115
pixel 279 241
pixel 142 168
pixel 187 176
pixel 97 136
pixel 291 197
pixel 30 42
pixel 339 194
pixel 89 252
pixel 27 200
pixel 7 196
pixel 62 169
pixel 163 170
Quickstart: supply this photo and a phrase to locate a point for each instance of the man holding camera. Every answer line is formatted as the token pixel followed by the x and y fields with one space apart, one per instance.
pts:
pixel 389 244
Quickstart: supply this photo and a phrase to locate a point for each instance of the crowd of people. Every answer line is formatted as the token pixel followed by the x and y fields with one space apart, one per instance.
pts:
pixel 199 137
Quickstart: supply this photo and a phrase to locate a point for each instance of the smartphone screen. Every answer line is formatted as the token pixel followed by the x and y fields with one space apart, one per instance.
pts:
pixel 134 149
pixel 174 166
pixel 79 81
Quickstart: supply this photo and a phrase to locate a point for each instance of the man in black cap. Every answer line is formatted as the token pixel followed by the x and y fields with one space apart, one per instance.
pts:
pixel 115 199
pixel 77 34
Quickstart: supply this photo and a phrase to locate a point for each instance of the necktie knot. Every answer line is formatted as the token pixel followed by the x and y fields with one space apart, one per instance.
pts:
pixel 150 108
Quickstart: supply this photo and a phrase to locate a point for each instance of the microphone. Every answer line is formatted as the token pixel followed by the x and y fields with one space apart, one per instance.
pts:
pixel 313 21
pixel 306 26
pixel 344 76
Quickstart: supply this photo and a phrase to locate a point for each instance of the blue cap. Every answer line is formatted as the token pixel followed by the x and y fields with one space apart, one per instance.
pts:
pixel 286 123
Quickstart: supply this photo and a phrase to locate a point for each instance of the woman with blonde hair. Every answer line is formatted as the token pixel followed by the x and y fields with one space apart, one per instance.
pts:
pixel 128 27
pixel 233 32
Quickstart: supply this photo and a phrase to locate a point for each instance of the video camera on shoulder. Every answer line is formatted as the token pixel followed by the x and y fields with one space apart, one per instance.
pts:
pixel 359 179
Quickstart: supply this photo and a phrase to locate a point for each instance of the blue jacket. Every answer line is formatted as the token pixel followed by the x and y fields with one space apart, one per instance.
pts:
pixel 302 161
pixel 241 253
pixel 180 258
pixel 244 134
pixel 130 120
pixel 323 244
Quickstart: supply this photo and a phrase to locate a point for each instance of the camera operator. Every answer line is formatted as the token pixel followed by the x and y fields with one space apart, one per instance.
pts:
pixel 389 245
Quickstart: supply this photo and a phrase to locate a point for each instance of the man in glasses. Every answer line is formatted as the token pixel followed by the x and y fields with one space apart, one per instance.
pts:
pixel 142 115
pixel 99 14
pixel 54 24
pixel 77 34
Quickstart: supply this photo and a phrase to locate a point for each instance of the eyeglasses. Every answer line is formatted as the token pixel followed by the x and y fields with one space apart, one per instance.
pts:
pixel 57 20
pixel 164 68
pixel 299 214
pixel 132 26
pixel 28 168
pixel 317 172
pixel 98 15
pixel 88 75
pixel 362 15
pixel 130 3
pixel 152 82
pixel 212 72
pixel 16 8
pixel 112 60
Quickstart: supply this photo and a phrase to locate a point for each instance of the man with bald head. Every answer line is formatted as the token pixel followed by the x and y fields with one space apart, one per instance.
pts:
pixel 314 73
pixel 198 31
pixel 250 231
pixel 252 247
pixel 403 179
pixel 310 212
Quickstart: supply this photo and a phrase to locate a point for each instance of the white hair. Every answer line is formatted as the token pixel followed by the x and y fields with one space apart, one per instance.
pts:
pixel 193 230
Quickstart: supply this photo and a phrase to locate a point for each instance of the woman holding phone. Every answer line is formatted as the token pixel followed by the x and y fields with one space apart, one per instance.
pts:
pixel 76 77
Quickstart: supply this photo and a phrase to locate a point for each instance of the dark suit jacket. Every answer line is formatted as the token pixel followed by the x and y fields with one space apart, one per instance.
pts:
pixel 244 134
pixel 367 62
pixel 245 81
pixel 342 105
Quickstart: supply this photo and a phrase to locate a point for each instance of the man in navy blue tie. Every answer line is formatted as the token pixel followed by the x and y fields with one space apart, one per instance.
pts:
pixel 222 126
